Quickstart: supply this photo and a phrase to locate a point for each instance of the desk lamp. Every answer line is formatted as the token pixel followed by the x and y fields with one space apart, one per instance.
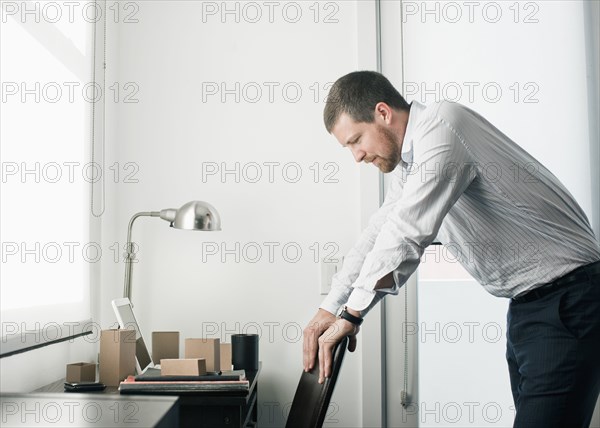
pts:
pixel 195 215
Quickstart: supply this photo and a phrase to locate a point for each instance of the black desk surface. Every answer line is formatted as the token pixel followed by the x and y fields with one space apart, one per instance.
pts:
pixel 202 398
pixel 88 410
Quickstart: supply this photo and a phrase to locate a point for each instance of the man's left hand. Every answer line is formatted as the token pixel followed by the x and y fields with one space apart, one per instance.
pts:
pixel 331 337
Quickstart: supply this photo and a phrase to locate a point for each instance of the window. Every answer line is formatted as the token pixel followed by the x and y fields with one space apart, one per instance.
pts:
pixel 49 97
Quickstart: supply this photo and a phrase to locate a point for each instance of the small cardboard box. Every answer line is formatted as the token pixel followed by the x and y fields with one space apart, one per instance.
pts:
pixel 117 355
pixel 183 367
pixel 165 345
pixel 226 361
pixel 208 349
pixel 81 372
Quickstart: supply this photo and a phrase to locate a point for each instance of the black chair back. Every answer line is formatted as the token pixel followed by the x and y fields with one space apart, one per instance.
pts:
pixel 311 400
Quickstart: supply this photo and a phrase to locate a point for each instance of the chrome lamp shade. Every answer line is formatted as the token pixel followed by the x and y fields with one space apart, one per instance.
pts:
pixel 195 215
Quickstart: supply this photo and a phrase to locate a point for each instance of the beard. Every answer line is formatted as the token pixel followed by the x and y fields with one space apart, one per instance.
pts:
pixel 392 154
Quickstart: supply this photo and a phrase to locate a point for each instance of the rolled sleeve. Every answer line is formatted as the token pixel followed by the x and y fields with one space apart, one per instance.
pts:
pixel 341 287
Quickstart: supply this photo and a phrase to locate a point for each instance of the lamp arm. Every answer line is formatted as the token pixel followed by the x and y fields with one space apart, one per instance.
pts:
pixel 130 250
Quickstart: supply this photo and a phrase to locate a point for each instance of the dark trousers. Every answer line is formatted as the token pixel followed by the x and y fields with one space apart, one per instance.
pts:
pixel 553 354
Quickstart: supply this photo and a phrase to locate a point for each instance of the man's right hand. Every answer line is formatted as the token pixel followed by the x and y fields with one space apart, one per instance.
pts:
pixel 315 328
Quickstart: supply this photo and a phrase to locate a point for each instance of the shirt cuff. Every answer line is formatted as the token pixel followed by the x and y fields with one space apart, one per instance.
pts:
pixel 360 299
pixel 335 299
pixel 378 297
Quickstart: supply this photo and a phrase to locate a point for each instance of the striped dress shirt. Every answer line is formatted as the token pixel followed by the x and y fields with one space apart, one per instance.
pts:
pixel 505 217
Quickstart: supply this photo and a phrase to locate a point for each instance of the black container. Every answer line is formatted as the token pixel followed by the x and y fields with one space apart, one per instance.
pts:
pixel 244 351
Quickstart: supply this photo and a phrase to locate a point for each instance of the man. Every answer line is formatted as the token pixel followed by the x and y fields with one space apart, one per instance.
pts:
pixel 456 177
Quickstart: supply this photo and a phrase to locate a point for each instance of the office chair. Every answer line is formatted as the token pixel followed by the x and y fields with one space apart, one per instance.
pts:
pixel 312 399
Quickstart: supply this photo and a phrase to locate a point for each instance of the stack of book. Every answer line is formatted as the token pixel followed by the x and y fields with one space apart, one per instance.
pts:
pixel 230 382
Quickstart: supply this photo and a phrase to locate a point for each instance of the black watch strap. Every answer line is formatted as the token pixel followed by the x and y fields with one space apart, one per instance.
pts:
pixel 351 318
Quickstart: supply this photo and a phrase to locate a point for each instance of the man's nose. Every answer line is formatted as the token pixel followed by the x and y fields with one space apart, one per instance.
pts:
pixel 358 154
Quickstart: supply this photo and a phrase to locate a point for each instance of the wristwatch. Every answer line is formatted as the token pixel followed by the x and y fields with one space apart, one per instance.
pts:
pixel 351 318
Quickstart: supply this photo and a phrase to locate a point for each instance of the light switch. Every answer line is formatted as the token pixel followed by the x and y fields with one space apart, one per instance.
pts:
pixel 328 269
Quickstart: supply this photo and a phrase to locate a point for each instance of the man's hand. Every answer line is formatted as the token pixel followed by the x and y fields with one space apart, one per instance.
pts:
pixel 332 336
pixel 315 328
pixel 321 335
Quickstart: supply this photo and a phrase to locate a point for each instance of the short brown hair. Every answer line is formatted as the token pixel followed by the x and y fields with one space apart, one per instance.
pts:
pixel 357 94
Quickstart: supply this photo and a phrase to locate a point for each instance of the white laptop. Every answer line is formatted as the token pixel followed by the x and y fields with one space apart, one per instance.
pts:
pixel 124 313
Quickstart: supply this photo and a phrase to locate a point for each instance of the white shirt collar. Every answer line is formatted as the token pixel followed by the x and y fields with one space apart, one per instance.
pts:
pixel 407 143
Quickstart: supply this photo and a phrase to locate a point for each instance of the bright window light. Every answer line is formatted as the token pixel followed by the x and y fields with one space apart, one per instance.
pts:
pixel 47 93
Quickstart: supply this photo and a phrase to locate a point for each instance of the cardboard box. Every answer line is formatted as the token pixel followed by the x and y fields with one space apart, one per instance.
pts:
pixel 165 345
pixel 208 349
pixel 81 372
pixel 226 361
pixel 183 367
pixel 117 355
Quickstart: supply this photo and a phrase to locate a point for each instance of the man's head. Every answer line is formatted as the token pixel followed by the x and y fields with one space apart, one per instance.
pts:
pixel 368 115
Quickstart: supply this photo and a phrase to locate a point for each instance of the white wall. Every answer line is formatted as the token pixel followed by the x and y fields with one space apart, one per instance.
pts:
pixel 172 132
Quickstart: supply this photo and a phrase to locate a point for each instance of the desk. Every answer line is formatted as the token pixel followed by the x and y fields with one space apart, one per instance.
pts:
pixel 202 409
pixel 88 410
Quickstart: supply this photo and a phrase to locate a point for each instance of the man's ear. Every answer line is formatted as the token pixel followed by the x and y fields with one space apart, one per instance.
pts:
pixel 383 112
